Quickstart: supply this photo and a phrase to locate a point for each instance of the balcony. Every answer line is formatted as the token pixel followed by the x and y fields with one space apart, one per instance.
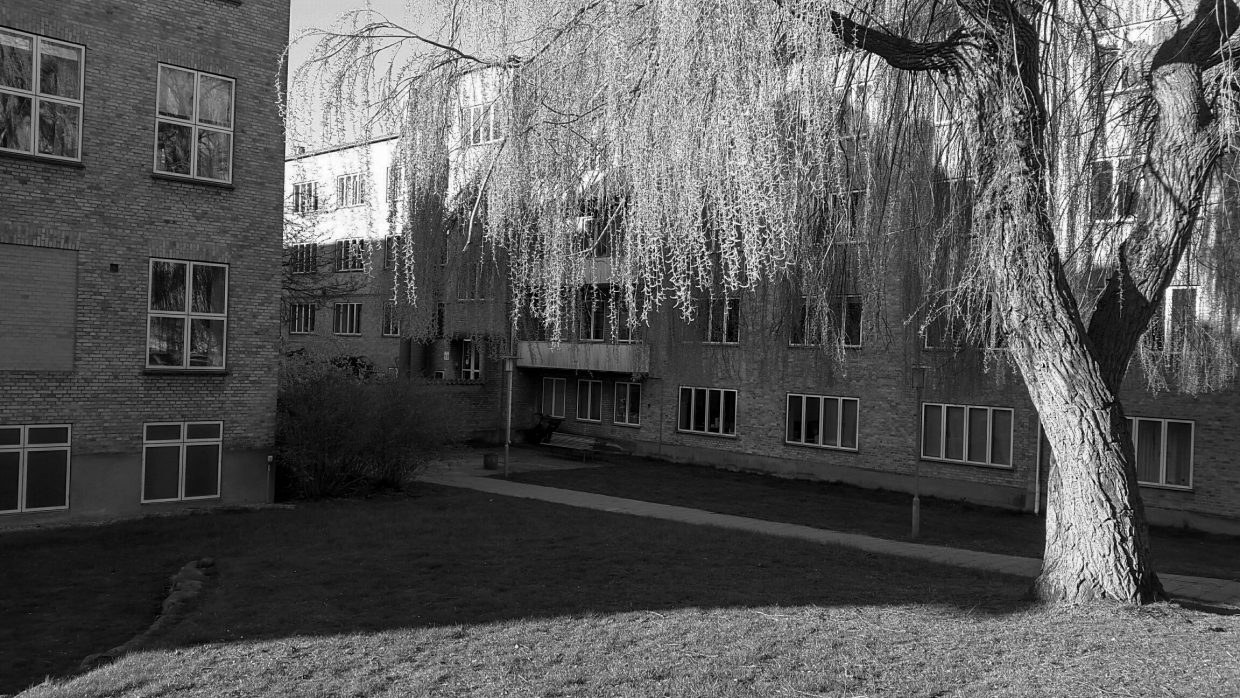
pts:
pixel 585 356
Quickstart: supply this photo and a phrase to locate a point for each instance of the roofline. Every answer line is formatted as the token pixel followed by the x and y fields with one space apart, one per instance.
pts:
pixel 337 148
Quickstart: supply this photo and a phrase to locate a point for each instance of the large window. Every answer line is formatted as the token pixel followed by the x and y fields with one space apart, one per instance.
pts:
pixel 822 420
pixel 843 319
pixel 471 360
pixel 967 434
pixel 350 190
pixel 34 467
pixel 40 95
pixel 722 318
pixel 347 319
pixel 391 320
pixel 708 411
pixel 305 197
pixel 304 258
pixel 1116 174
pixel 181 460
pixel 628 404
pixel 392 245
pixel 301 318
pixel 553 390
pixel 187 315
pixel 479 124
pixel 351 255
pixel 589 401
pixel 1164 450
pixel 194 124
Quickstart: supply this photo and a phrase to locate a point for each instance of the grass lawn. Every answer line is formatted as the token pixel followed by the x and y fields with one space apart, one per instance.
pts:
pixel 455 593
pixel 873 512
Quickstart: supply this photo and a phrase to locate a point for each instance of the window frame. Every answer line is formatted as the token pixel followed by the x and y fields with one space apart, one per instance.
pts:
pixel 352 318
pixel 302 318
pixel 350 255
pixel 306 197
pixel 706 430
pixel 195 125
pixel 558 387
pixel 391 246
pixel 188 315
pixel 1134 425
pixel 839 421
pixel 350 190
pixel 304 258
pixel 478 120
pixel 622 420
pixel 391 321
pixel 37 97
pixel 594 399
pixel 729 327
pixel 964 438
pixel 184 442
pixel 23 448
pixel 471 360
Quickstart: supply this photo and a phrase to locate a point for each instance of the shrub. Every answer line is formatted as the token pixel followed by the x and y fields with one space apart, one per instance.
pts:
pixel 340 433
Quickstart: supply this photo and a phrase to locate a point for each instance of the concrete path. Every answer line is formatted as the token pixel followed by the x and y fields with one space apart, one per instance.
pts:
pixel 467 473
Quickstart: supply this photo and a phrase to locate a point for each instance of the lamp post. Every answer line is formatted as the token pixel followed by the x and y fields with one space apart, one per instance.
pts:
pixel 508 367
pixel 918 377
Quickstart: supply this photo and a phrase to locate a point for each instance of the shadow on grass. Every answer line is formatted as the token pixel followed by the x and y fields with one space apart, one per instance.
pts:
pixel 446 557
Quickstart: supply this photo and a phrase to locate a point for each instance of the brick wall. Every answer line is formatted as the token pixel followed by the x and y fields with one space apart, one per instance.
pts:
pixel 121 215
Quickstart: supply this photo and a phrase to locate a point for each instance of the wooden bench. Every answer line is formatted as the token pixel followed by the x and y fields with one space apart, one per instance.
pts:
pixel 572 443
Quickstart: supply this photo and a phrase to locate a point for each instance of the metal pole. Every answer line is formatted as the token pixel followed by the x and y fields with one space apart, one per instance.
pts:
pixel 919 380
pixel 508 361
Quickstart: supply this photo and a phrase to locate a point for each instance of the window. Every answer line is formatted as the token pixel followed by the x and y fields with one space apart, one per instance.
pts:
pixel 391 250
pixel 351 255
pixel 347 319
pixel 1116 175
pixel 391 321
pixel 1169 330
pixel 471 282
pixel 34 467
pixel 193 124
pixel 40 96
pixel 1164 450
pixel 349 191
pixel 589 401
pixel 553 390
pixel 479 124
pixel 471 360
pixel 301 318
pixel 822 420
pixel 304 258
pixel 722 321
pixel 708 411
pixel 594 236
pixel 181 460
pixel 967 434
pixel 392 191
pixel 305 197
pixel 628 404
pixel 187 315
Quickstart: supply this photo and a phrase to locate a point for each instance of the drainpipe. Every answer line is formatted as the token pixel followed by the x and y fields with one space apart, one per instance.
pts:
pixel 508 366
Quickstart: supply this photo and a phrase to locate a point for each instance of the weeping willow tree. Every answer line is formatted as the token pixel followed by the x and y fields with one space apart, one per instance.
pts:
pixel 1067 149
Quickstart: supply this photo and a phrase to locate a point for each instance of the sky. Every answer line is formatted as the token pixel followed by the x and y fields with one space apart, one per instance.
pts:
pixel 307 14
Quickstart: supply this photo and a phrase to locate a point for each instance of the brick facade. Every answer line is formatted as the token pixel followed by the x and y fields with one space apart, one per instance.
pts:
pixel 84 233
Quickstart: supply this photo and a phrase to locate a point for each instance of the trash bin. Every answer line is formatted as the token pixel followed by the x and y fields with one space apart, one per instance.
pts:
pixel 490 461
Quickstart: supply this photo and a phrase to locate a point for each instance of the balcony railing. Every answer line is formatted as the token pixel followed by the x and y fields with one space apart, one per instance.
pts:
pixel 585 356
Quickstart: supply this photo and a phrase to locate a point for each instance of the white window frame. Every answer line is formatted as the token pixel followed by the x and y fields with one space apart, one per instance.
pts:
pixel 350 190
pixel 708 429
pixel 301 318
pixel 347 319
pixel 840 442
pixel 391 247
pixel 391 321
pixel 305 197
pixel 554 388
pixel 350 255
pixel 942 457
pixel 23 448
pixel 632 396
pixel 304 258
pixel 184 442
pixel 593 391
pixel 471 360
pixel 479 124
pixel 194 124
pixel 1134 425
pixel 36 97
pixel 721 306
pixel 188 314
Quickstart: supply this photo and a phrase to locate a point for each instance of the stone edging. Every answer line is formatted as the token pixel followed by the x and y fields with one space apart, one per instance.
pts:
pixel 186 586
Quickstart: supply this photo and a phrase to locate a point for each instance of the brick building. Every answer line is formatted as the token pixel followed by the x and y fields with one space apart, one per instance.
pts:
pixel 142 154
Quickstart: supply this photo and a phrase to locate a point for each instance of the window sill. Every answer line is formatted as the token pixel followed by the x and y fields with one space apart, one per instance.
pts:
pixel 191 180
pixel 721 344
pixel 74 164
pixel 970 464
pixel 154 371
pixel 589 421
pixel 706 433
pixel 1171 488
pixel 845 449
pixel 626 425
pixel 850 347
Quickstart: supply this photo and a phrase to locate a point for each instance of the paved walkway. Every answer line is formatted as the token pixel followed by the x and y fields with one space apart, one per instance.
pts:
pixel 467 472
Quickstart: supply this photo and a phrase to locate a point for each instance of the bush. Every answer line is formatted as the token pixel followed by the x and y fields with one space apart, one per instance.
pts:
pixel 342 434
